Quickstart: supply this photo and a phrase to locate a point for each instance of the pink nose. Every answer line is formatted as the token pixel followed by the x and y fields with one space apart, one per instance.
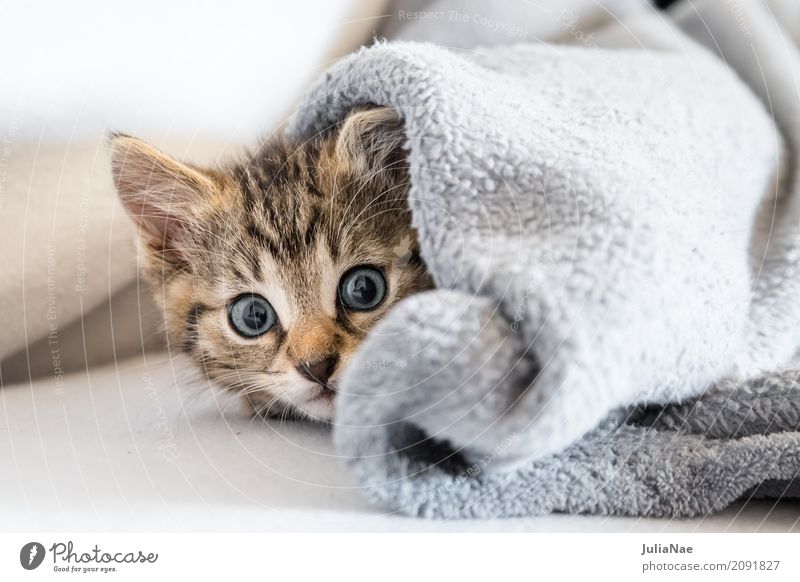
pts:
pixel 319 371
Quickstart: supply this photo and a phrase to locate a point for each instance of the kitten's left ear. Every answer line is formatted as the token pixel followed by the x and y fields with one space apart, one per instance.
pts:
pixel 163 196
pixel 372 140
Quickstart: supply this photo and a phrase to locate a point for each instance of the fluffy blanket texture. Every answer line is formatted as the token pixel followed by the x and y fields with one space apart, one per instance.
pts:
pixel 615 235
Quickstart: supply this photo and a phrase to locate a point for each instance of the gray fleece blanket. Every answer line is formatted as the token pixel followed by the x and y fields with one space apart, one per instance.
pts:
pixel 614 237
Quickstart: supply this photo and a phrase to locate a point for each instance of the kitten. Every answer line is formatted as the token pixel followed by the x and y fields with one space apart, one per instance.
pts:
pixel 272 270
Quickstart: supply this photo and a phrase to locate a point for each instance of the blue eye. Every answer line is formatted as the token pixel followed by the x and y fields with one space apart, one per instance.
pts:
pixel 362 288
pixel 251 315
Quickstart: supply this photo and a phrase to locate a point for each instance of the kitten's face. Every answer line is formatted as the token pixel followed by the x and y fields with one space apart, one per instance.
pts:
pixel 272 271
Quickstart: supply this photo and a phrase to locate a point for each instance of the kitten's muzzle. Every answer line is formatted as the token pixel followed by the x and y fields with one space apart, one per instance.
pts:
pixel 319 371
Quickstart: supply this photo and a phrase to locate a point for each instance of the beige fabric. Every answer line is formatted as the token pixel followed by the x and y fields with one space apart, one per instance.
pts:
pixel 127 325
pixel 67 249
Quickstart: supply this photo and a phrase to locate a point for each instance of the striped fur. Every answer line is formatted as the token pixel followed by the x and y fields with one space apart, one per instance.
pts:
pixel 285 222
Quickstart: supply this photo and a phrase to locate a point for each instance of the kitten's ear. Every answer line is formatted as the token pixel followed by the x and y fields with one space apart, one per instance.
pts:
pixel 161 195
pixel 372 140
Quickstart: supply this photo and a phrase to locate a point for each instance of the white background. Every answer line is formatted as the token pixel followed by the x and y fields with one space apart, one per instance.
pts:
pixel 221 70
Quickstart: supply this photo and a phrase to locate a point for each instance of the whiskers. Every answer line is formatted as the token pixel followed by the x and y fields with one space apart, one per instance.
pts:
pixel 253 387
pixel 191 384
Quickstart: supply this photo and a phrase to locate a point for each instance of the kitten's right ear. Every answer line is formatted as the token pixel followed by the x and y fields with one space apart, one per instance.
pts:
pixel 372 139
pixel 161 195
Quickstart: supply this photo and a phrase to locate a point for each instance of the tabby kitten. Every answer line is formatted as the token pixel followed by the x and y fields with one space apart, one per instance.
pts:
pixel 272 270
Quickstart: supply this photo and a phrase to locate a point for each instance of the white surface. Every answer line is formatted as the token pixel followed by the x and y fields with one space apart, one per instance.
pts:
pixel 160 68
pixel 124 449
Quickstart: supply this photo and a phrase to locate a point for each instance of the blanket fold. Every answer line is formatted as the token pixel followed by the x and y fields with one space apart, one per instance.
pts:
pixel 597 223
pixel 635 463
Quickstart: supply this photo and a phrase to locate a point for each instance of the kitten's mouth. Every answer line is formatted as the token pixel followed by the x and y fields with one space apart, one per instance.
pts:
pixel 319 402
pixel 322 392
pixel 328 391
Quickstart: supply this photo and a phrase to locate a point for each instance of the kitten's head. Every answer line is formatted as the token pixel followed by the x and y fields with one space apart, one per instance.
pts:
pixel 272 271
